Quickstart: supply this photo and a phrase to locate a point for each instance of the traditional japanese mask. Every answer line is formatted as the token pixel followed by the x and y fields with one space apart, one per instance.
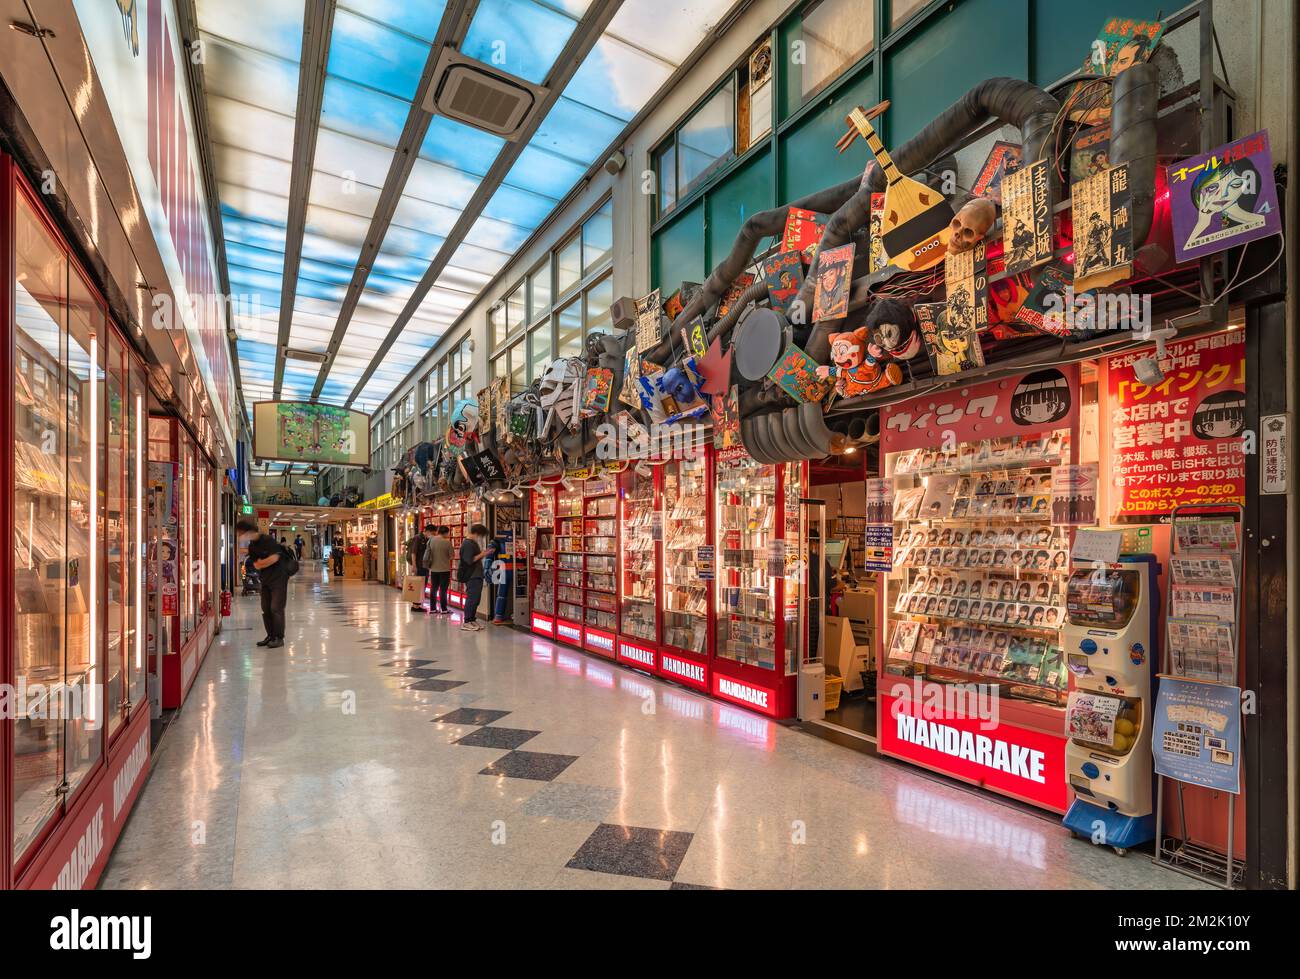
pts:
pixel 849 350
pixel 971 224
pixel 894 329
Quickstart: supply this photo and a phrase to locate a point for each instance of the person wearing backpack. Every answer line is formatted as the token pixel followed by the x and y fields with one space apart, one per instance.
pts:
pixel 469 572
pixel 275 565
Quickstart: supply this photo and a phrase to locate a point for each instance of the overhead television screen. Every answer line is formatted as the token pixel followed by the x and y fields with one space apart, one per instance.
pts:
pixel 300 431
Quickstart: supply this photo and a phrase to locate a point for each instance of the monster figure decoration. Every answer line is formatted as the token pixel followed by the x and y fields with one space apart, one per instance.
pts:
pixel 894 329
pixel 860 366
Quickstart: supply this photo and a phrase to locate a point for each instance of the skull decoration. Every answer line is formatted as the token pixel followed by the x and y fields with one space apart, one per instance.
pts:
pixel 971 224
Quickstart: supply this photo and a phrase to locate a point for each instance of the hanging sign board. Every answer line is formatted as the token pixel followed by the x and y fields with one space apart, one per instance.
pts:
pixel 1274 430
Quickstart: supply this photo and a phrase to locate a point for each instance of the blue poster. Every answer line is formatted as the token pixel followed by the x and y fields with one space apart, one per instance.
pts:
pixel 1196 736
pixel 880 548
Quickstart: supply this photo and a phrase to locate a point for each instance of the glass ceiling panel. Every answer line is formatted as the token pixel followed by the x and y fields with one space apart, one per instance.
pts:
pixel 420 19
pixel 520 207
pixel 249 128
pixel 462 147
pixel 248 75
pixel 545 174
pixel 575 132
pixel 643 22
pixel 364 51
pixel 618 78
pixel 274 26
pixel 348 157
pixel 363 112
pixel 522 37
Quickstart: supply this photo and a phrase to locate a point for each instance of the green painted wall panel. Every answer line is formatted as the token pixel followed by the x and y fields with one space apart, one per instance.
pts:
pixel 677 255
pixel 1063 32
pixel 739 195
pixel 809 161
pixel 940 61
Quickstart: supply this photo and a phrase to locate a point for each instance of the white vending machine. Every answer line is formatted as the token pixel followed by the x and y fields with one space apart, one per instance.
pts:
pixel 1109 641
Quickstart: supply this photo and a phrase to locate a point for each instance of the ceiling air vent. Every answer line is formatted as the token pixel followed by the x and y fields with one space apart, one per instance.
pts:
pixel 310 356
pixel 481 96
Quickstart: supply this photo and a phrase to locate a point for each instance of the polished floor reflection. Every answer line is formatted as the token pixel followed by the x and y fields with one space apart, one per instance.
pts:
pixel 386 748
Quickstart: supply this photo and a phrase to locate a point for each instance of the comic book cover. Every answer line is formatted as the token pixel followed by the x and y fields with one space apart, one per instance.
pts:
pixel 1026 218
pixel 878 259
pixel 695 339
pixel 673 305
pixel 726 426
pixel 1224 198
pixel 1090 153
pixel 1100 206
pixel 834 272
pixel 783 273
pixel 967 284
pixel 952 350
pixel 796 374
pixel 734 292
pixel 1044 307
pixel 596 393
pixel 1122 43
pixel 631 374
pixel 1003 158
pixel 802 228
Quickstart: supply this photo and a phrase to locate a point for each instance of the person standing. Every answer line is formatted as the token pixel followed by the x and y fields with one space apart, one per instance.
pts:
pixel 271 561
pixel 437 557
pixel 469 571
pixel 298 544
pixel 415 551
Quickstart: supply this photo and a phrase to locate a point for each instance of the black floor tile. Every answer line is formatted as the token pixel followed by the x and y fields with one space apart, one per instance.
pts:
pixel 471 715
pixel 404 664
pixel 633 851
pixel 422 672
pixel 439 685
pixel 497 737
pixel 677 885
pixel 536 765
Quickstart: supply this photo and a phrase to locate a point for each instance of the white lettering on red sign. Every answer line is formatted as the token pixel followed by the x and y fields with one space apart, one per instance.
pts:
pixel 131 768
pixel 978 749
pixel 637 654
pixel 682 668
pixel 743 692
pixel 602 642
pixel 74 873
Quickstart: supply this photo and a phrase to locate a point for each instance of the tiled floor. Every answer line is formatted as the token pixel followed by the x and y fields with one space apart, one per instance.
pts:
pixel 386 748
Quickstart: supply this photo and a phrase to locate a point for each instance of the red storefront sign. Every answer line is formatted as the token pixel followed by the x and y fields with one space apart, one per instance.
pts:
pixel 543 624
pixel 1015 761
pixel 1179 441
pixel 1028 404
pixel 751 695
pixel 684 670
pixel 597 641
pixel 636 655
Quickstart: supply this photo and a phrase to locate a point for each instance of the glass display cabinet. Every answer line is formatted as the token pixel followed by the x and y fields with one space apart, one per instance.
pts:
pixel 685 603
pixel 569 564
pixel 541 562
pixel 638 620
pixel 600 579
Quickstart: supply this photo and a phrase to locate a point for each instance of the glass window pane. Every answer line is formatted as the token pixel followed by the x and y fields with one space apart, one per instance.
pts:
pixel 901 10
pixel 598 238
pixel 115 550
pixel 82 672
pixel 500 368
pixel 515 310
pixel 836 33
pixel 466 357
pixel 706 138
pixel 539 351
pixel 539 294
pixel 568 265
pixel 568 334
pixel 138 427
pixel 40 505
pixel 599 298
pixel 518 367
pixel 666 169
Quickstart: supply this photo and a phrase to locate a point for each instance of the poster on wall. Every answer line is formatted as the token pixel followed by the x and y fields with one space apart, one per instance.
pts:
pixel 1196 737
pixel 1074 495
pixel 879 554
pixel 303 431
pixel 1026 218
pixel 1180 441
pixel 1103 234
pixel 953 346
pixel 1004 158
pixel 879 495
pixel 1223 198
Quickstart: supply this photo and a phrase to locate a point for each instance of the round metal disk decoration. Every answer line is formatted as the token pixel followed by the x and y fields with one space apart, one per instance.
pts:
pixel 760 338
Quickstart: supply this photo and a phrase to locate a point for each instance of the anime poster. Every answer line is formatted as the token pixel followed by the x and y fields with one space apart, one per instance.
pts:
pixel 168 572
pixel 597 391
pixel 1026 218
pixel 784 275
pixel 878 259
pixel 1122 43
pixel 1090 154
pixel 1004 158
pixel 463 428
pixel 1103 235
pixel 726 426
pixel 734 292
pixel 802 229
pixel 795 373
pixel 1180 441
pixel 967 284
pixel 834 270
pixel 1224 198
pixel 648 311
pixel 952 349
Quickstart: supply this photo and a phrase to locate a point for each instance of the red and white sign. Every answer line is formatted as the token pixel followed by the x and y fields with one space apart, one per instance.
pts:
pixel 1179 441
pixel 568 632
pixel 685 671
pixel 636 654
pixel 761 699
pixel 542 624
pixel 1030 404
pixel 599 642
pixel 1024 764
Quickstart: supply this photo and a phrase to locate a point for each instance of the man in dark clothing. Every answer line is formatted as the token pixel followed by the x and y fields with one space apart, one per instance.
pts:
pixel 417 547
pixel 298 544
pixel 268 558
pixel 473 549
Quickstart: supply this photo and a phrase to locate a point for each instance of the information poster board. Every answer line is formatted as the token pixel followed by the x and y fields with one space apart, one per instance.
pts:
pixel 1196 736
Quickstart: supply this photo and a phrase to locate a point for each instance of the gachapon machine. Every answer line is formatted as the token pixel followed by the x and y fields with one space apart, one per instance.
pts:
pixel 1109 640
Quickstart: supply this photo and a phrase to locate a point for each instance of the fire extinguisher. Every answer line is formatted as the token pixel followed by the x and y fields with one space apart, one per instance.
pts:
pixel 225 603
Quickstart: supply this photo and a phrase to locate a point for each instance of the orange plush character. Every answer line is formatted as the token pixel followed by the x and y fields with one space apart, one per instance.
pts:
pixel 859 365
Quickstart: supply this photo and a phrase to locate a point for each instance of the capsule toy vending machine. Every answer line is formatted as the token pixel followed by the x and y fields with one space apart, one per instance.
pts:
pixel 1109 640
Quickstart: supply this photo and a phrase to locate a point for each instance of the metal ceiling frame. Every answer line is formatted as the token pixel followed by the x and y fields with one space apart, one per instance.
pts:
pixel 566 65
pixel 452 29
pixel 317 30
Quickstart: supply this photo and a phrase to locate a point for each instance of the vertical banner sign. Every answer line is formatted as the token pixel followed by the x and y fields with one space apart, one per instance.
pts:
pixel 967 285
pixel 1179 441
pixel 1026 218
pixel 1101 206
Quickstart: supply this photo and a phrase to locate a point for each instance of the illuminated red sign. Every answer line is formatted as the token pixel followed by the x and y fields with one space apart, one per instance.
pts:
pixel 761 699
pixel 543 625
pixel 599 642
pixel 1027 765
pixel 636 654
pixel 568 631
pixel 684 670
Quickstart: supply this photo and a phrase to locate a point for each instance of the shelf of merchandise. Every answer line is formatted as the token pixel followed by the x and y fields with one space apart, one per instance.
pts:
pixel 638 621
pixel 600 564
pixel 686 611
pixel 757 622
pixel 977 595
pixel 541 566
pixel 569 565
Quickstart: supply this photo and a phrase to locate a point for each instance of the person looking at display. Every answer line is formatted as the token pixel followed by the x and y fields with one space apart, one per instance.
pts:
pixel 269 558
pixel 469 572
pixel 437 558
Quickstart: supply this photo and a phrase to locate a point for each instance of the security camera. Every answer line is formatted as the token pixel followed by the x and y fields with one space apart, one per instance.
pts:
pixel 1147 369
pixel 616 162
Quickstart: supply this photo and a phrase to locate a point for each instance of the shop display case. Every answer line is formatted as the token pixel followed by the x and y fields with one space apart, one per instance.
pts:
pixel 600 577
pixel 757 594
pixel 569 564
pixel 685 601
pixel 638 619
pixel 541 564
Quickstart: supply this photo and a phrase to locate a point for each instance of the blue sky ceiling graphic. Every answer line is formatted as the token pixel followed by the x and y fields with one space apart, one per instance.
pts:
pixel 377 52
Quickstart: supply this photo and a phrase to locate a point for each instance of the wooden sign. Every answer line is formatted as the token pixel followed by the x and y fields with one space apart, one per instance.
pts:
pixel 1026 217
pixel 1101 206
